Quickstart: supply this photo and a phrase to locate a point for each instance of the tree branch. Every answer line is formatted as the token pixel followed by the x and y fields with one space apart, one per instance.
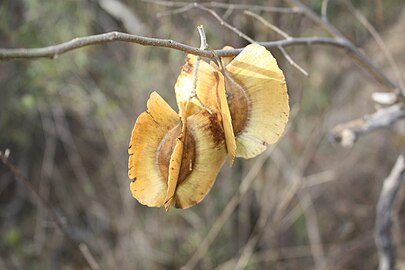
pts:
pixel 382 234
pixel 338 41
pixel 56 50
pixel 347 133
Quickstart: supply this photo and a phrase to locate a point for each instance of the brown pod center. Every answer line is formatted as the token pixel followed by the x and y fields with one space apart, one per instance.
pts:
pixel 238 103
pixel 165 150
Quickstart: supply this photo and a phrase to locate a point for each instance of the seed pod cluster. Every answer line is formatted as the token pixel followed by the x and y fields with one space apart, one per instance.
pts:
pixel 236 110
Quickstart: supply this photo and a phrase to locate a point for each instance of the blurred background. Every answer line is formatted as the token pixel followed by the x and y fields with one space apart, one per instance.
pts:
pixel 304 204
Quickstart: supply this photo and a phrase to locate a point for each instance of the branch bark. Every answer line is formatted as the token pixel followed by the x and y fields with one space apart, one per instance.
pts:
pixel 382 234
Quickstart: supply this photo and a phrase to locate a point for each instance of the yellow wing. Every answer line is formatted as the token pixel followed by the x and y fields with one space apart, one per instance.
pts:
pixel 149 186
pixel 256 71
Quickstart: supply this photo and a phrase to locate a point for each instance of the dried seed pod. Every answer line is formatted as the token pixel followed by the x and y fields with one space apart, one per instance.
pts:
pixel 174 162
pixel 258 101
pixel 210 90
pixel 250 93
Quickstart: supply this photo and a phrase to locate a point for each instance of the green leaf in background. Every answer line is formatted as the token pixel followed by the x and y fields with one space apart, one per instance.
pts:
pixel 12 238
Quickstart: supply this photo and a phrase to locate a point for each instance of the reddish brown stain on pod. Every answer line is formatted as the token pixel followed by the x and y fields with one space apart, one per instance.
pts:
pixel 215 128
pixel 188 67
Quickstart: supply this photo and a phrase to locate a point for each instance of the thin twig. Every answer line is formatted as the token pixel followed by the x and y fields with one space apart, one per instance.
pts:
pixel 203 46
pixel 268 24
pixel 318 178
pixel 315 18
pixel 292 62
pixel 89 258
pixel 242 35
pixel 203 38
pixel 197 63
pixel 382 234
pixel 283 34
pixel 213 13
pixel 324 10
pixel 224 23
pixel 313 231
pixel 213 4
pixel 274 28
pixel 227 13
pixel 175 11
